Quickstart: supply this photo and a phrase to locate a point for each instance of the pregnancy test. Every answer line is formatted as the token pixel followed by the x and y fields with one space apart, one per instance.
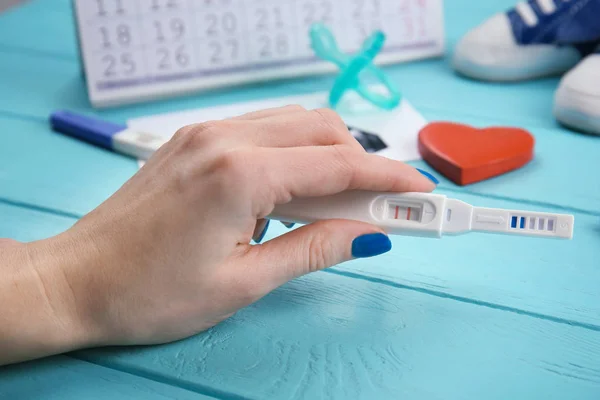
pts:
pixel 423 214
pixel 415 214
pixel 111 136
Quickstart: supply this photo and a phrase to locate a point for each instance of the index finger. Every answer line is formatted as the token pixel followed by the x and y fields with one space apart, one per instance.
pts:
pixel 269 112
pixel 326 170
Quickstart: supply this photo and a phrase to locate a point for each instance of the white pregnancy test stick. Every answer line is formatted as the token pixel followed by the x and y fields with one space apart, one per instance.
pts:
pixel 423 214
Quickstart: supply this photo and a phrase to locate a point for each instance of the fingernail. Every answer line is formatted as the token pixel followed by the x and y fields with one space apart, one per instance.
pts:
pixel 370 245
pixel 428 175
pixel 264 232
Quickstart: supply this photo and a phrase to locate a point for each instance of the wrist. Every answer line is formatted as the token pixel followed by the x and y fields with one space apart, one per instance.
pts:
pixel 64 285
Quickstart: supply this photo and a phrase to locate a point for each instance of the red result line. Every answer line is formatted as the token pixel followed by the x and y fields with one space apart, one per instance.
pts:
pixel 408 213
pixel 396 216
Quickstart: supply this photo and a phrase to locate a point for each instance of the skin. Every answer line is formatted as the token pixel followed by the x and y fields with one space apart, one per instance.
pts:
pixel 170 254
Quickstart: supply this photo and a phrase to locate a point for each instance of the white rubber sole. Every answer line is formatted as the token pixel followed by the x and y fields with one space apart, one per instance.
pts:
pixel 579 111
pixel 500 64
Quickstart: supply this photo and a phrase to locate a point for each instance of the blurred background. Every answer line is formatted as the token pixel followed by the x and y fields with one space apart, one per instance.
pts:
pixel 5 4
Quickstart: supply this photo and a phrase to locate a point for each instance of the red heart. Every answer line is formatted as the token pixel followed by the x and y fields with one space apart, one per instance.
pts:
pixel 465 154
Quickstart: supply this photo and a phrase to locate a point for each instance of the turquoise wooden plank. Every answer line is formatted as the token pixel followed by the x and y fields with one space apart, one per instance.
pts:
pixel 369 338
pixel 551 279
pixel 543 356
pixel 385 336
pixel 55 171
pixel 462 15
pixel 26 224
pixel 558 175
pixel 327 336
pixel 66 378
pixel 433 86
pixel 44 27
pixel 35 85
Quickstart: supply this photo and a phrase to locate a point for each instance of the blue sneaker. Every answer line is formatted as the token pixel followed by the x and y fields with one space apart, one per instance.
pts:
pixel 577 100
pixel 534 39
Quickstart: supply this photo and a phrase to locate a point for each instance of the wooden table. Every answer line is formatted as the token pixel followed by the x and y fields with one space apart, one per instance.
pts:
pixel 469 317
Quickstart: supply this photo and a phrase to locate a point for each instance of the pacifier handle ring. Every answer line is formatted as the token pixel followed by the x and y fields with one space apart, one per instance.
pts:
pixel 325 47
pixel 388 102
pixel 349 77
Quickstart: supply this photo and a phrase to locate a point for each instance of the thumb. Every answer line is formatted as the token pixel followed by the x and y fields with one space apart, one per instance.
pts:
pixel 315 247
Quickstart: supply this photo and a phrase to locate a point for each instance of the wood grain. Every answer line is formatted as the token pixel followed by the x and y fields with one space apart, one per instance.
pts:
pixel 56 172
pixel 326 336
pixel 549 278
pixel 473 317
pixel 333 336
pixel 26 224
pixel 65 378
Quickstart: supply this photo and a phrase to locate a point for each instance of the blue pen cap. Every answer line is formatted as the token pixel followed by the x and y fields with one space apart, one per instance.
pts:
pixel 85 128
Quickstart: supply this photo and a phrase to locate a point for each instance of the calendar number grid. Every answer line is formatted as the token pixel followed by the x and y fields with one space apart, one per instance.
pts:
pixel 134 43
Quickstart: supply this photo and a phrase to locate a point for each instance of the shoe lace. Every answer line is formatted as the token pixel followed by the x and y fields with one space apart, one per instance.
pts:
pixel 526 11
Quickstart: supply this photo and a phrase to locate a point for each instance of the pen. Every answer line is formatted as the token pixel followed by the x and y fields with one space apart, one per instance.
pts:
pixel 108 135
pixel 141 145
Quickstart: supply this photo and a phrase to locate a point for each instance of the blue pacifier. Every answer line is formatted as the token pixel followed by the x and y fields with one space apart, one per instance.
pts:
pixel 325 46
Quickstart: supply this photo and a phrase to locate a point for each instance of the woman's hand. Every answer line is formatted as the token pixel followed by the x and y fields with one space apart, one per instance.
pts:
pixel 169 254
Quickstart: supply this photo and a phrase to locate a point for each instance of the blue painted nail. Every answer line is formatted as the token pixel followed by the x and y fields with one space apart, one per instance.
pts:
pixel 264 232
pixel 428 175
pixel 370 245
